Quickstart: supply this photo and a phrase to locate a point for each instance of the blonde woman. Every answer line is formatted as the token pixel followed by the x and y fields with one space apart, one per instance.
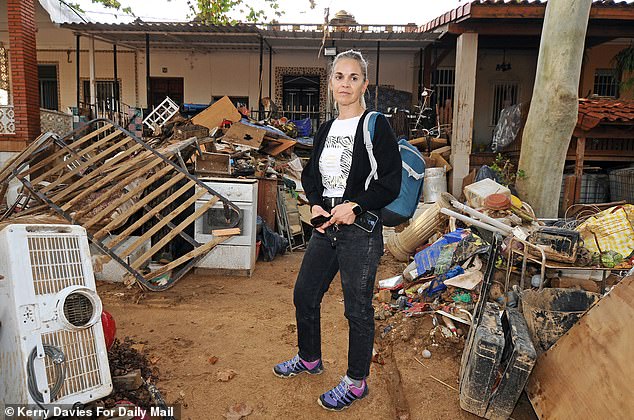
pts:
pixel 348 239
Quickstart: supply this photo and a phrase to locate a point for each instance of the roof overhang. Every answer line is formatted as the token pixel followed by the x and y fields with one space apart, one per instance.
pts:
pixel 507 20
pixel 188 36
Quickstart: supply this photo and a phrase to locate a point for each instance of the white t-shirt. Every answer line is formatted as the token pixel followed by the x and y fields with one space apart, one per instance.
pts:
pixel 336 157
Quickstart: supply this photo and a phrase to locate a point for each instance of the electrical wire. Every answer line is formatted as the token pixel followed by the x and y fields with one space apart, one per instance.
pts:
pixel 59 361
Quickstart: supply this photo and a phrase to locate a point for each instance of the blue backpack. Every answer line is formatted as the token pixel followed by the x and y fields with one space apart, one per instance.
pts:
pixel 404 206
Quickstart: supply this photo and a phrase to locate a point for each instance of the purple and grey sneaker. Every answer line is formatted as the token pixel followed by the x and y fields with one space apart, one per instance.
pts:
pixel 296 365
pixel 342 396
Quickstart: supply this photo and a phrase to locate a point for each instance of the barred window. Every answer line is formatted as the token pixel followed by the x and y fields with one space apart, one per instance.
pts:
pixel 47 77
pixel 4 76
pixel 606 83
pixel 505 94
pixel 443 81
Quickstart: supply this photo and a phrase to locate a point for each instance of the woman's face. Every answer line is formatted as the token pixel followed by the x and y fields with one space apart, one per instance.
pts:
pixel 346 82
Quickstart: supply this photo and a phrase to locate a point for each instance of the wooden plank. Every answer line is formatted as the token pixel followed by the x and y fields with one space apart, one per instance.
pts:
pixel 203 249
pixel 589 371
pixel 226 232
pixel 244 135
pixel 147 216
pixel 163 222
pixel 63 151
pixel 581 148
pixel 569 194
pixel 99 171
pixel 105 180
pixel 220 110
pixel 125 197
pixel 63 166
pixel 179 228
pixel 276 149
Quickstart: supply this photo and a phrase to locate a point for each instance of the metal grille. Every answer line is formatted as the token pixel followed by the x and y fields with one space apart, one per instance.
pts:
pixel 442 82
pixel 78 309
pixel 82 362
pixel 505 94
pixel 606 83
pixel 55 262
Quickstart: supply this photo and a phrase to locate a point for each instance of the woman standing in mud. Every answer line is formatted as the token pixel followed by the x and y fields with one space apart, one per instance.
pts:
pixel 345 201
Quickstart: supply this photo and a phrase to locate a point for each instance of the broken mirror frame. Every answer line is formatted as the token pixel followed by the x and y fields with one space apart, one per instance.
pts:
pixel 103 157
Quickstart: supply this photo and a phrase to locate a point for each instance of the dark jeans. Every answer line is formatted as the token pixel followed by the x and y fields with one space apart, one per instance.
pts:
pixel 356 256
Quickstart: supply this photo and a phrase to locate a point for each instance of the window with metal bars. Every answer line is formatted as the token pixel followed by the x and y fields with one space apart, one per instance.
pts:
pixel 4 76
pixel 106 95
pixel 47 77
pixel 442 82
pixel 606 83
pixel 505 94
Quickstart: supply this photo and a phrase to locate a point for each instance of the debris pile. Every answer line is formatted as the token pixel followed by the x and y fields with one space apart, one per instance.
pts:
pixel 493 277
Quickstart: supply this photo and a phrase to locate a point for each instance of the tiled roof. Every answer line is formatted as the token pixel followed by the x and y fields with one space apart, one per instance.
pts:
pixel 473 9
pixel 592 112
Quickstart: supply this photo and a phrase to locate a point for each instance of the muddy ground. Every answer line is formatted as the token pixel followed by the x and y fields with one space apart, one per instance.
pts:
pixel 205 327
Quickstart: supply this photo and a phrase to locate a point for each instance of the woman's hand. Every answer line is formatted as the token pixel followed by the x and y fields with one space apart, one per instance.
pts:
pixel 319 211
pixel 343 214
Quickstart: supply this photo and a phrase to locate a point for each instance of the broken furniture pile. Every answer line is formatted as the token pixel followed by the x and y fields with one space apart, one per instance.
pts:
pixel 510 286
pixel 132 198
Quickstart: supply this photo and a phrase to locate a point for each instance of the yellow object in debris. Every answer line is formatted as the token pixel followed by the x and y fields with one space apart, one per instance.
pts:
pixel 610 230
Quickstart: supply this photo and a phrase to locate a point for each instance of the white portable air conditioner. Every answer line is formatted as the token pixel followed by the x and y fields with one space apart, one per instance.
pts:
pixel 52 348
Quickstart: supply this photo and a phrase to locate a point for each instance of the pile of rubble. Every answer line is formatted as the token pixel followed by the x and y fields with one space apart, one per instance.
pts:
pixel 496 279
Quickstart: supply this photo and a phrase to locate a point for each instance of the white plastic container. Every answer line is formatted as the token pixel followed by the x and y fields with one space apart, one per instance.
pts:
pixel 478 191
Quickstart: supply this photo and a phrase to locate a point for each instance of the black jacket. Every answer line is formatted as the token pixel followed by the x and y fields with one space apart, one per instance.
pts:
pixel 381 191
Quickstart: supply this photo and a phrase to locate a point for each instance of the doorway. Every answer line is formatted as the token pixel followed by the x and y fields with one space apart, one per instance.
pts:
pixel 300 96
pixel 160 87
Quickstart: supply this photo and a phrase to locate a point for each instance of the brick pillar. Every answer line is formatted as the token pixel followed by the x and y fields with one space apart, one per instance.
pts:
pixel 24 81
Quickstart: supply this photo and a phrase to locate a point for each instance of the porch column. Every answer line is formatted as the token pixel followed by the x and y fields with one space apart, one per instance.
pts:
pixel 25 96
pixel 78 72
pixel 148 92
pixel 93 82
pixel 115 105
pixel 376 81
pixel 463 108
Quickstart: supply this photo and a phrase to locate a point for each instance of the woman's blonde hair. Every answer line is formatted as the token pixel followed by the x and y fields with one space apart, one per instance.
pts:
pixel 363 64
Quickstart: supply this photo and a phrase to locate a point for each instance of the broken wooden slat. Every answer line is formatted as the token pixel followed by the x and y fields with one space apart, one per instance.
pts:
pixel 204 248
pixel 119 201
pixel 190 219
pixel 63 151
pixel 137 206
pixel 225 232
pixel 96 172
pixel 80 167
pixel 161 224
pixel 127 196
pixel 102 182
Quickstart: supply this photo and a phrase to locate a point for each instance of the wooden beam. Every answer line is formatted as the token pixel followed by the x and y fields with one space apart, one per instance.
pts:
pixel 603 132
pixel 581 148
pixel 464 107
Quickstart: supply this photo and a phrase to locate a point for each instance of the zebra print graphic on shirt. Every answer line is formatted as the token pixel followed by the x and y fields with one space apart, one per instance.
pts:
pixel 335 162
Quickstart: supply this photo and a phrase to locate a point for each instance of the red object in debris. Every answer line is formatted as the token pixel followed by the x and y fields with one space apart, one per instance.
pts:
pixel 497 202
pixel 109 328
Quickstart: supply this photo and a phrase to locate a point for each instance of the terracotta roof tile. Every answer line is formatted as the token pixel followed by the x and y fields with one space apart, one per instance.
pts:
pixel 593 111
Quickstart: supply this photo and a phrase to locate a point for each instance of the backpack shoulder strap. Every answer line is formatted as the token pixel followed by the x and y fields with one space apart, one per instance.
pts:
pixel 369 124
